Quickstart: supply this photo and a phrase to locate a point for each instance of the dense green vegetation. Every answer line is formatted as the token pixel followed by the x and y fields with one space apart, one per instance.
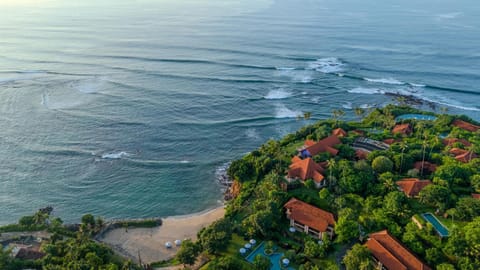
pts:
pixel 68 247
pixel 361 193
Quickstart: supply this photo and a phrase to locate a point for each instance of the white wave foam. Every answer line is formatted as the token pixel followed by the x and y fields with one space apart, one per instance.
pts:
pixel 252 133
pixel 327 65
pixel 366 91
pixel 448 16
pixel 347 105
pixel 285 68
pixel 88 86
pixel 417 85
pixel 303 76
pixel 184 161
pixel 281 111
pixel 278 94
pixel 366 106
pixel 385 81
pixel 117 155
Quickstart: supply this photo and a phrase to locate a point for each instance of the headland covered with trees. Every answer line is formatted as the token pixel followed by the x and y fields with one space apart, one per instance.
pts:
pixel 396 189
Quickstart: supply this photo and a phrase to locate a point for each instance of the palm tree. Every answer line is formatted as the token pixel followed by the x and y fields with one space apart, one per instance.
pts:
pixel 403 147
pixel 359 112
pixel 389 185
pixel 331 164
pixel 424 145
pixel 337 114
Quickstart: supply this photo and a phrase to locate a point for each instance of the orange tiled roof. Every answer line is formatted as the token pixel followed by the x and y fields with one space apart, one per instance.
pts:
pixel 392 254
pixel 360 154
pixel 325 145
pixel 426 166
pixel 309 143
pixel 451 141
pixel 339 132
pixel 402 128
pixel 465 125
pixel 306 169
pixel 476 196
pixel 457 151
pixel 310 215
pixel 296 159
pixel 466 157
pixel 412 186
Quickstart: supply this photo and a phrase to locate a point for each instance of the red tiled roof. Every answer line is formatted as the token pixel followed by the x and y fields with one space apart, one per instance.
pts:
pixel 426 166
pixel 339 132
pixel 451 141
pixel 466 157
pixel 462 155
pixel 402 128
pixel 412 186
pixel 476 196
pixel 465 125
pixel 391 253
pixel 306 169
pixel 310 215
pixel 389 141
pixel 360 154
pixel 309 143
pixel 296 159
pixel 325 145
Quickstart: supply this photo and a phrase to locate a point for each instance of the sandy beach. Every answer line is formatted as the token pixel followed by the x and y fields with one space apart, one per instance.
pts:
pixel 150 242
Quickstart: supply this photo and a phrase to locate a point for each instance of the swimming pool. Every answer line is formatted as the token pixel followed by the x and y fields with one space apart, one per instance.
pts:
pixel 274 258
pixel 416 117
pixel 441 229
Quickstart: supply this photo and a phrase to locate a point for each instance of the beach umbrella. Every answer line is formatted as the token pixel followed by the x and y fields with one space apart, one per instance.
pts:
pixel 253 241
pixel 168 244
pixel 178 242
pixel 247 246
pixel 242 251
pixel 285 261
pixel 292 229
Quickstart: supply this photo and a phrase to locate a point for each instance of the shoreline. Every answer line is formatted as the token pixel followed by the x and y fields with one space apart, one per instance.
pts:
pixel 148 244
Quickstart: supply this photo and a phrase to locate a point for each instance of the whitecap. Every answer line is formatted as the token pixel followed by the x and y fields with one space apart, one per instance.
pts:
pixel 417 85
pixel 366 91
pixel 116 155
pixel 285 68
pixel 88 86
pixel 278 94
pixel 327 65
pixel 252 133
pixel 184 161
pixel 448 16
pixel 281 111
pixel 347 105
pixel 385 81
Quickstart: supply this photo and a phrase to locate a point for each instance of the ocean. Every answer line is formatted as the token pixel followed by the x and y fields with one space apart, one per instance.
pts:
pixel 128 109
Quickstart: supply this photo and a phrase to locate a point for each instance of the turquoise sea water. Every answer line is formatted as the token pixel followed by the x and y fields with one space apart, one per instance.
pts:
pixel 127 109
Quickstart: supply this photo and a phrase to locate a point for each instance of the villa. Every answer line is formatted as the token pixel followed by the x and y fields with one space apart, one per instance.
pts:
pixel 339 132
pixel 325 145
pixel 310 219
pixel 412 186
pixel 304 169
pixel 451 141
pixel 462 155
pixel 465 125
pixel 405 129
pixel 388 253
pixel 427 166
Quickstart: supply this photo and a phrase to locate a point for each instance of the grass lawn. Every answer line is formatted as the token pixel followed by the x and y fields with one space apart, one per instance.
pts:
pixel 234 246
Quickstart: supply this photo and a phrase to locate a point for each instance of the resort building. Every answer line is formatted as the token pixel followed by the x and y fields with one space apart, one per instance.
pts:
pixel 339 132
pixel 310 219
pixel 465 125
pixel 388 253
pixel 462 155
pixel 304 169
pixel 405 129
pixel 369 145
pixel 325 145
pixel 412 186
pixel 427 166
pixel 451 141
